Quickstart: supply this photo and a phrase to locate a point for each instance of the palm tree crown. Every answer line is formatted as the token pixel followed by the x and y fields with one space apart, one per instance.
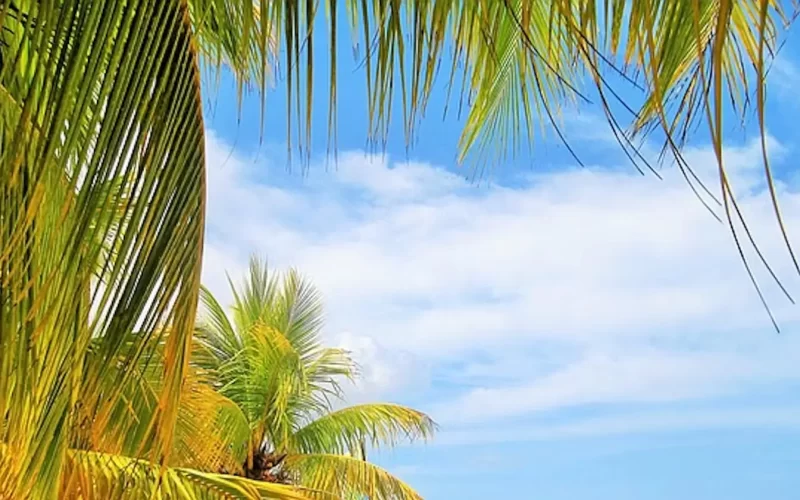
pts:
pixel 268 359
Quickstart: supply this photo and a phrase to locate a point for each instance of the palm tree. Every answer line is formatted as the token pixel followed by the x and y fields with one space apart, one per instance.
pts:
pixel 267 358
pixel 102 175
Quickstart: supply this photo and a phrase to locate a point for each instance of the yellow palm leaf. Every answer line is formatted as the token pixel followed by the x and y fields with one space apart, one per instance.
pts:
pixel 90 475
pixel 82 116
pixel 342 476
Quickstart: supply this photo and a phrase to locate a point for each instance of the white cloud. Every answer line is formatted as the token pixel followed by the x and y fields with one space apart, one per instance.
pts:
pixel 380 371
pixel 582 286
pixel 773 418
pixel 626 376
pixel 386 182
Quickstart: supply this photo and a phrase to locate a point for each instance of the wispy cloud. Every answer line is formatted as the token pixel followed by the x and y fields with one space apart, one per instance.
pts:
pixel 773 418
pixel 629 375
pixel 784 74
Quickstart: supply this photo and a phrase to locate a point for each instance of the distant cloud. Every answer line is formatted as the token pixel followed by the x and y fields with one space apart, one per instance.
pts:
pixel 771 418
pixel 381 371
pixel 584 286
pixel 626 376
pixel 387 182
pixel 783 81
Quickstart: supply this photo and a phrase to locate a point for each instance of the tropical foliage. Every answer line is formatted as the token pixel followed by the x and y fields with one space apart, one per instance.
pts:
pixel 102 188
pixel 267 358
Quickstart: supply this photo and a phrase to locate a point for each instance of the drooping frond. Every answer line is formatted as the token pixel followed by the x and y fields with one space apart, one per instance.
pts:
pixel 348 477
pixel 101 108
pixel 520 78
pixel 518 62
pixel 95 475
pixel 89 475
pixel 661 66
pixel 233 34
pixel 344 431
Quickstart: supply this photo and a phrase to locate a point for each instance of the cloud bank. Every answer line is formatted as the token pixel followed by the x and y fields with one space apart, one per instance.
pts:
pixel 529 296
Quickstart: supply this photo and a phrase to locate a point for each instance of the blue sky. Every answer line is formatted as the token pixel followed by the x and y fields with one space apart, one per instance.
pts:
pixel 577 332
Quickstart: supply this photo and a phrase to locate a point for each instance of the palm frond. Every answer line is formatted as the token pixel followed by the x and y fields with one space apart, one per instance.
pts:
pixel 254 298
pixel 232 33
pixel 298 313
pixel 532 54
pixel 215 333
pixel 343 476
pixel 95 475
pixel 88 475
pixel 516 64
pixel 323 373
pixel 523 71
pixel 261 379
pixel 344 431
pixel 211 433
pixel 81 116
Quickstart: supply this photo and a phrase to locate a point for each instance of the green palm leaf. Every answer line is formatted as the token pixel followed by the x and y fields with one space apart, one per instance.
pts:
pixel 344 431
pixel 83 118
pixel 516 64
pixel 215 332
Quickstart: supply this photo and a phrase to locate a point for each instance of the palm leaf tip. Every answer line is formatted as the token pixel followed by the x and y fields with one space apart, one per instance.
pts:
pixel 345 430
pixel 345 477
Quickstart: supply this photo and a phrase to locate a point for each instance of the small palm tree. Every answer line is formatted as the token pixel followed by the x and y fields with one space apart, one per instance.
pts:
pixel 268 358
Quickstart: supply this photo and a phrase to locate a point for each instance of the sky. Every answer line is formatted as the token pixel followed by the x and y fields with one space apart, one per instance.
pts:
pixel 576 332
